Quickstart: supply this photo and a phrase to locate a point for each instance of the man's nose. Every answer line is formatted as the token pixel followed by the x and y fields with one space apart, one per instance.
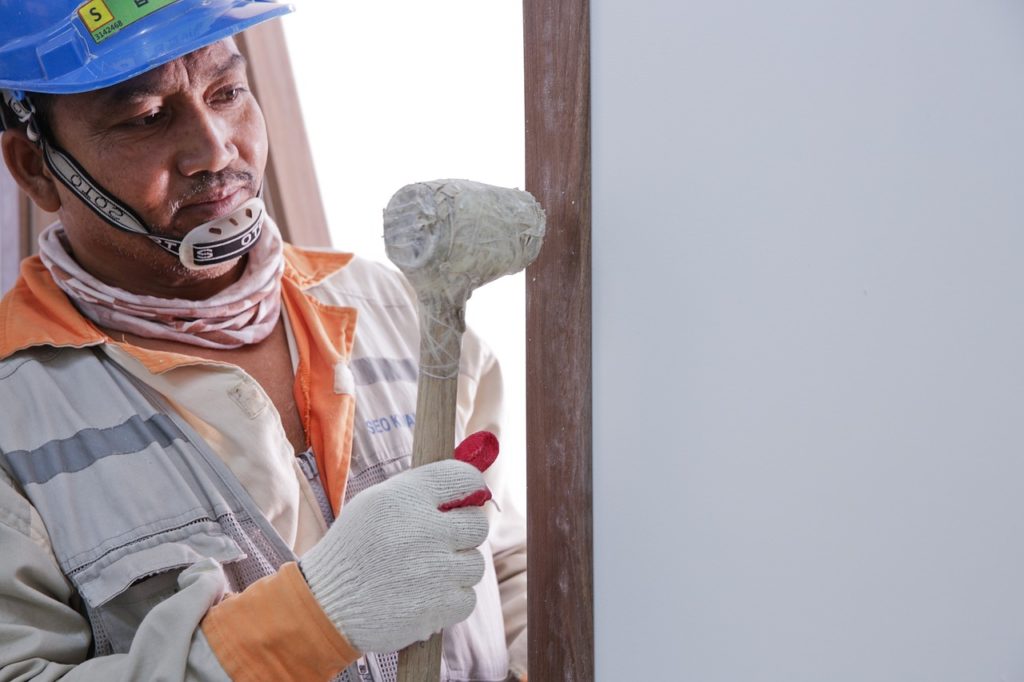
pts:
pixel 206 143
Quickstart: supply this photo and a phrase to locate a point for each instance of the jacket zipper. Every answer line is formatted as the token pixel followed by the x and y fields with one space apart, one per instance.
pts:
pixel 363 669
pixel 307 462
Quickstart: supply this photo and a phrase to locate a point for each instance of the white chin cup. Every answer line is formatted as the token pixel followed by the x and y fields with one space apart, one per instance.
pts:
pixel 225 238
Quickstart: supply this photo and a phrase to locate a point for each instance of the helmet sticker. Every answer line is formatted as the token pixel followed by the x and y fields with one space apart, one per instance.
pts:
pixel 104 18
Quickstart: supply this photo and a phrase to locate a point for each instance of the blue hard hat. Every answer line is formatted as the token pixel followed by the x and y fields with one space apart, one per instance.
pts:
pixel 65 46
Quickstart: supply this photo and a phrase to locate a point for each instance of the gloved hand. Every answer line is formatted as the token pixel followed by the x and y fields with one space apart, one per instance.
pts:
pixel 394 568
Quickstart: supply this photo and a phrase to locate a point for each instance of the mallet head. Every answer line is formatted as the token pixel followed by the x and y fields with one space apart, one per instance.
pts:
pixel 450 237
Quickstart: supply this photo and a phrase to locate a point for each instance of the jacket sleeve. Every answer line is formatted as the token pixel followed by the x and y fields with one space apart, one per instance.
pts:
pixel 196 634
pixel 480 408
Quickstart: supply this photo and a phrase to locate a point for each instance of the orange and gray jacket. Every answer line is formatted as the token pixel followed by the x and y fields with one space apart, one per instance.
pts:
pixel 151 507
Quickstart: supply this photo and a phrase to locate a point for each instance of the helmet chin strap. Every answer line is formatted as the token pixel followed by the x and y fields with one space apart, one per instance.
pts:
pixel 214 242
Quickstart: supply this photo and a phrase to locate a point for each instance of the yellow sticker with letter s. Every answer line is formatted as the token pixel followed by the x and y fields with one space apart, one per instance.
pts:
pixel 95 14
pixel 104 18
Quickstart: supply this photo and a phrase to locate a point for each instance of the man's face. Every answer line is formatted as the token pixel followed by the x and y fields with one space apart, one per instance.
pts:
pixel 181 145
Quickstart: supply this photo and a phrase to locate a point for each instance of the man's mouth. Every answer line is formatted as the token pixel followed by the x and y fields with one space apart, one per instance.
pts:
pixel 212 205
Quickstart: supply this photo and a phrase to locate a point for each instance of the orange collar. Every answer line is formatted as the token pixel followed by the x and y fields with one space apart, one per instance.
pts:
pixel 37 313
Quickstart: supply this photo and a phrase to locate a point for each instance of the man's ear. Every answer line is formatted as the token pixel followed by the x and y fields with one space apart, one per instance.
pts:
pixel 24 159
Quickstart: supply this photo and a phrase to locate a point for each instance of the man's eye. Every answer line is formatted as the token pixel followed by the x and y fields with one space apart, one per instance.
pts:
pixel 231 94
pixel 152 118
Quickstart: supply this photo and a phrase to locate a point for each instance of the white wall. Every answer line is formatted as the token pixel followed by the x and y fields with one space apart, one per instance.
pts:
pixel 809 340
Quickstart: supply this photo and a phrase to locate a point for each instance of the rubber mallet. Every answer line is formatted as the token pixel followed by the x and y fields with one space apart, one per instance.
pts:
pixel 450 237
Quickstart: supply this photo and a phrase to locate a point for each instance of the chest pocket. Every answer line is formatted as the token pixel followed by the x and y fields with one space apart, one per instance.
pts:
pixel 119 594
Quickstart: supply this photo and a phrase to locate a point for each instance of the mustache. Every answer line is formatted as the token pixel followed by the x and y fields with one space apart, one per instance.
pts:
pixel 209 183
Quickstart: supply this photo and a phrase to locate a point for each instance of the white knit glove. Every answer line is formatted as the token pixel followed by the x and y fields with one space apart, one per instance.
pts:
pixel 393 569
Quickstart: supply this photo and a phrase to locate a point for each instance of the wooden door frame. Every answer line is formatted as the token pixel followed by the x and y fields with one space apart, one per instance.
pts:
pixel 558 352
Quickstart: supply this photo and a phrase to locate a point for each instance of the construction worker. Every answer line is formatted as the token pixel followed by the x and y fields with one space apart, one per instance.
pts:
pixel 187 402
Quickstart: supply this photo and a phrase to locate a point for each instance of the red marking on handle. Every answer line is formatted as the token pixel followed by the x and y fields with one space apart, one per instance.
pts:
pixel 479 449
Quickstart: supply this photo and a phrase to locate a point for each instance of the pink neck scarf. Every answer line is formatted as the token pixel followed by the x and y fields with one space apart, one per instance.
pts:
pixel 243 313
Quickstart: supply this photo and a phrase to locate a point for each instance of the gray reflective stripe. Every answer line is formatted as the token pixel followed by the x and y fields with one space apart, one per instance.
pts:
pixel 91 445
pixel 374 370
